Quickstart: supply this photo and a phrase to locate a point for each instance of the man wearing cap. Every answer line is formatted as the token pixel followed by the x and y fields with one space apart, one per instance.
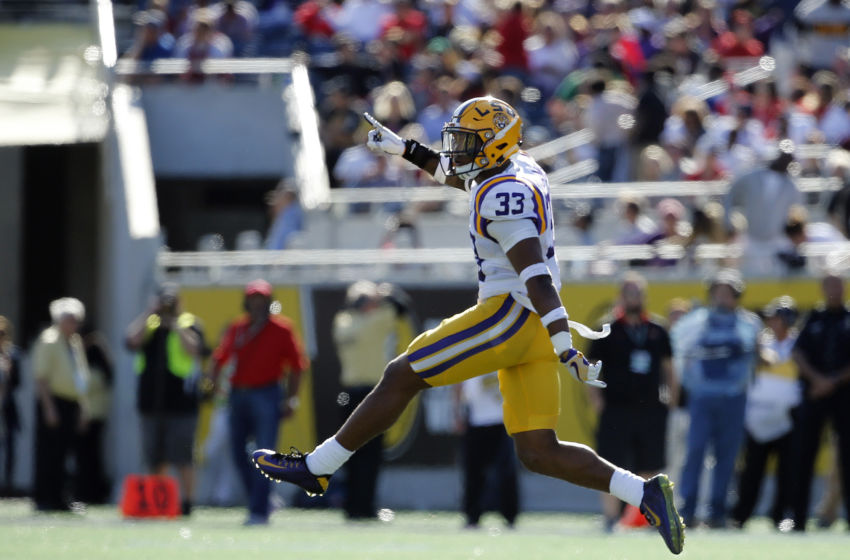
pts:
pixel 715 350
pixel 822 353
pixel 169 343
pixel 263 350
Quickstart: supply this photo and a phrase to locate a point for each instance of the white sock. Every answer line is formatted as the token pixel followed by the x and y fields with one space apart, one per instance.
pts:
pixel 626 486
pixel 328 457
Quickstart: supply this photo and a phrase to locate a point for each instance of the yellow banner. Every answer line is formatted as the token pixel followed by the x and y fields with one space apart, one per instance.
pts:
pixel 217 308
pixel 586 302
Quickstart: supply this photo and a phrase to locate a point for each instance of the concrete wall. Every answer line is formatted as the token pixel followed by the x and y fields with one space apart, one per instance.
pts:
pixel 213 130
pixel 129 244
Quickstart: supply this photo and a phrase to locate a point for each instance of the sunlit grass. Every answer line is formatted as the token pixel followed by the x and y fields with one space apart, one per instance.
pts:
pixel 100 533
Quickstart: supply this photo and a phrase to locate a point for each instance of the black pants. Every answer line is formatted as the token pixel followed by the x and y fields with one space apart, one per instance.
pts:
pixel 756 455
pixel 53 446
pixel 91 484
pixel 363 468
pixel 489 448
pixel 810 419
pixel 632 436
pixel 7 442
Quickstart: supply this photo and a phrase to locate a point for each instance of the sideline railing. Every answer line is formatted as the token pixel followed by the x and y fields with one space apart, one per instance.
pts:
pixel 570 191
pixel 441 265
pixel 171 66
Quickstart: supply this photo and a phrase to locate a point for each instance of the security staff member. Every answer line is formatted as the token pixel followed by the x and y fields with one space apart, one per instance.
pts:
pixel 822 353
pixel 633 418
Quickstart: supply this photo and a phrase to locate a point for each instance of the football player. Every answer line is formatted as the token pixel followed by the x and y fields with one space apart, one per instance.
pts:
pixel 519 325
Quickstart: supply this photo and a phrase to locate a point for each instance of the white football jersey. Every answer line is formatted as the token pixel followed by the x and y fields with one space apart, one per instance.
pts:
pixel 521 192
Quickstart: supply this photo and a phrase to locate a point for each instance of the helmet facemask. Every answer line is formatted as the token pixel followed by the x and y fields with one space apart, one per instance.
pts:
pixel 464 149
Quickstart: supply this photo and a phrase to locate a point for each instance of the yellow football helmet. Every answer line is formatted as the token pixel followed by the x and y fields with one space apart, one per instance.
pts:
pixel 483 133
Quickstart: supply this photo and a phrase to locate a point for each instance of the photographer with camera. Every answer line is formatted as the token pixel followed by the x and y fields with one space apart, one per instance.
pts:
pixel 169 344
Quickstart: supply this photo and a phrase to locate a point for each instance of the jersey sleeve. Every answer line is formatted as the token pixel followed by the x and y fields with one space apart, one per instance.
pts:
pixel 508 233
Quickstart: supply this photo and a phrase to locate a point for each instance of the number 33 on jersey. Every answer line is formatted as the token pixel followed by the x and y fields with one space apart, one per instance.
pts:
pixel 520 192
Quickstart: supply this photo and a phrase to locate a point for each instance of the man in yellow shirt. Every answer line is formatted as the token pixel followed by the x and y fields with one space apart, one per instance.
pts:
pixel 61 376
pixel 371 327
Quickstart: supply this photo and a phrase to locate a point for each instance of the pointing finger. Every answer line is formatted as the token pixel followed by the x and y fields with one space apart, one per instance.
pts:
pixel 372 120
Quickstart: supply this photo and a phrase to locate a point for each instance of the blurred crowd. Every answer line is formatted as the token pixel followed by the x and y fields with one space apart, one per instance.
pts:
pixel 671 90
pixel 718 379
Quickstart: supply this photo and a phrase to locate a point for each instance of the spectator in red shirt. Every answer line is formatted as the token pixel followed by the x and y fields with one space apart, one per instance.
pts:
pixel 266 351
pixel 740 42
pixel 407 26
pixel 768 106
pixel 312 18
pixel 513 28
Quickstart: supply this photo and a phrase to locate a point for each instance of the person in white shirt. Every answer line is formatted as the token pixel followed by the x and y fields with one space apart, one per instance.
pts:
pixel 610 115
pixel 774 392
pixel 834 121
pixel 635 226
pixel 551 55
pixel 486 446
pixel 799 230
pixel 823 31
pixel 764 196
pixel 362 19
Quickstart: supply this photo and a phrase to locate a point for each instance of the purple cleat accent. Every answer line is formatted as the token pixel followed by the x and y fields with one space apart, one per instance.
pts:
pixel 660 510
pixel 290 467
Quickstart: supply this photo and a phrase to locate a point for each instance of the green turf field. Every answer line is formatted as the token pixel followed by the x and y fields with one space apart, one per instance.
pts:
pixel 307 535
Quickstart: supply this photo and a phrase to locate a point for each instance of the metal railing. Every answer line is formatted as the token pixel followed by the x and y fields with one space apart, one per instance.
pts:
pixel 571 191
pixel 446 265
pixel 170 66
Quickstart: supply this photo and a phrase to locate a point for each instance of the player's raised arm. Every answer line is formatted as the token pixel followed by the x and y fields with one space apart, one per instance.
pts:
pixel 382 140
